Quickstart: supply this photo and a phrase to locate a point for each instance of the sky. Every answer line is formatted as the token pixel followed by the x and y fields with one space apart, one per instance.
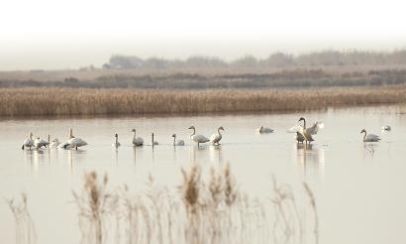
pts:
pixel 65 34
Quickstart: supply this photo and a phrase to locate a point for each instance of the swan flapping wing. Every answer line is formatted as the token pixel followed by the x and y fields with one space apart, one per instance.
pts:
pixel 315 128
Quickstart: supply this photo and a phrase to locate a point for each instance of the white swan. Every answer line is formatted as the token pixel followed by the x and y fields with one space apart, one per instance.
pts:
pixel 216 138
pixel 153 142
pixel 73 142
pixel 137 141
pixel 306 134
pixel 39 143
pixel 264 130
pixel 177 142
pixel 116 143
pixel 370 137
pixel 29 142
pixel 197 138
pixel 54 143
pixel 386 128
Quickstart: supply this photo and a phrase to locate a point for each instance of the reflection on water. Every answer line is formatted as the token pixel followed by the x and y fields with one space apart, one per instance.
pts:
pixel 311 158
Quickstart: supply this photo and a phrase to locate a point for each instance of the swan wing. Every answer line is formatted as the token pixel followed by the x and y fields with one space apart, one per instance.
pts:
pixel 294 129
pixel 315 128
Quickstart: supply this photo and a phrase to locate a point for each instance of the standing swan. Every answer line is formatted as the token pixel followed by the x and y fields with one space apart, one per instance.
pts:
pixel 73 142
pixel 116 143
pixel 28 142
pixel 137 141
pixel 153 142
pixel 177 142
pixel 216 138
pixel 370 137
pixel 197 138
pixel 306 134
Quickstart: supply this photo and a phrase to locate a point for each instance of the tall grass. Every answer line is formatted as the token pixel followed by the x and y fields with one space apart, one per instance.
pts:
pixel 201 210
pixel 59 102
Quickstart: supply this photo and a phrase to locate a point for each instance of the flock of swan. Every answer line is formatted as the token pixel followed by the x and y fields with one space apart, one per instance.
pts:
pixel 303 135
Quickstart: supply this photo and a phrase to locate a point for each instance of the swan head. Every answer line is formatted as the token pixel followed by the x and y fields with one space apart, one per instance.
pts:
pixel 116 135
pixel 191 128
pixel 363 131
pixel 173 135
pixel 221 128
pixel 31 134
pixel 133 130
pixel 301 118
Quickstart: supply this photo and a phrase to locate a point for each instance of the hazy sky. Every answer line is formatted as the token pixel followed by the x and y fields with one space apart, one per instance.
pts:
pixel 52 34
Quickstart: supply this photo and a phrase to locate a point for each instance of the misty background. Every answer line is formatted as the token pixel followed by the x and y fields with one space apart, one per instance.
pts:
pixel 64 34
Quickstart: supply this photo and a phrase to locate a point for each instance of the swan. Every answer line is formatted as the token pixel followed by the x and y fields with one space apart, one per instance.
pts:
pixel 370 137
pixel 73 142
pixel 153 142
pixel 54 143
pixel 216 138
pixel 116 143
pixel 29 142
pixel 386 128
pixel 197 138
pixel 137 141
pixel 177 142
pixel 306 134
pixel 38 143
pixel 264 130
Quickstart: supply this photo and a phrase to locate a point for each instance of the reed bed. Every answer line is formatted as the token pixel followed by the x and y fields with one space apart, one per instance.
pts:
pixel 202 210
pixel 65 102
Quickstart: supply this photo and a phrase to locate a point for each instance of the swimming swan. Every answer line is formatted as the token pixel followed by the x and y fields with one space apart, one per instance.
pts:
pixel 137 141
pixel 73 142
pixel 39 143
pixel 54 143
pixel 264 130
pixel 116 143
pixel 216 138
pixel 197 138
pixel 177 142
pixel 29 142
pixel 370 137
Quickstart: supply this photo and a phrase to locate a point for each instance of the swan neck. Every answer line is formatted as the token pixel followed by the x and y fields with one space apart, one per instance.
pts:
pixel 304 124
pixel 194 132
pixel 219 132
pixel 116 139
pixel 174 140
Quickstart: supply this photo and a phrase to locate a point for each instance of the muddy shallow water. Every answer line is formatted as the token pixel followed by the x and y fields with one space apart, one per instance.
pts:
pixel 359 187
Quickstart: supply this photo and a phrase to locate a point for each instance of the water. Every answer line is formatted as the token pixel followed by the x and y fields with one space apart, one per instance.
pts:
pixel 359 187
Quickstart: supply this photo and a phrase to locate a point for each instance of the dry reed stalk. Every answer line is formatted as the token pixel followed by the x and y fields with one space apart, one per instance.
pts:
pixel 25 228
pixel 65 101
pixel 96 204
pixel 314 208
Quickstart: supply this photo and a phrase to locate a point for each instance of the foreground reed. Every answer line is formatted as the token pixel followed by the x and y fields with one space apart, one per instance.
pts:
pixel 60 102
pixel 203 210
pixel 24 225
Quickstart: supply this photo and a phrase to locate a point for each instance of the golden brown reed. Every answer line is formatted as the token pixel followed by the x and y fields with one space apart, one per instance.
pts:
pixel 60 102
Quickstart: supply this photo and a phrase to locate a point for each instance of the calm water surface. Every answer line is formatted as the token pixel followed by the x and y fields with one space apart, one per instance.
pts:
pixel 360 188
